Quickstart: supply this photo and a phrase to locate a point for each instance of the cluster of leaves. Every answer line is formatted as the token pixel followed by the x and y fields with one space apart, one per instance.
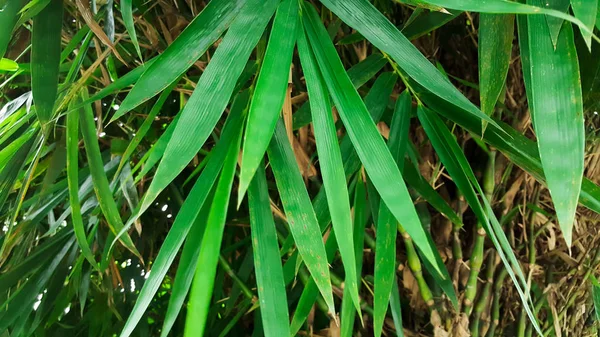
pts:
pixel 242 90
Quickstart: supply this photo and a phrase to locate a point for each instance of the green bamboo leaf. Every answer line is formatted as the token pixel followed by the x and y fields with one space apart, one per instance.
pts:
pixel 496 32
pixel 508 7
pixel 361 215
pixel 586 11
pixel 364 135
pixel 269 93
pixel 557 113
pixel 555 24
pixel 385 265
pixel 8 19
pixel 213 91
pixel 206 266
pixel 269 273
pixel 456 164
pixel 300 213
pixel 101 186
pixel 127 12
pixel 187 214
pixel 310 293
pixel 332 168
pixel 385 36
pixel 186 267
pixel 396 309
pixel 73 179
pixel 45 58
pixel 192 43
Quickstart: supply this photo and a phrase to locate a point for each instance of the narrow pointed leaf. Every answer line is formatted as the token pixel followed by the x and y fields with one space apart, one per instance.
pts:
pixel 586 11
pixel 187 214
pixel 73 179
pixel 213 91
pixel 361 215
pixel 269 93
pixel 45 58
pixel 506 7
pixel 127 12
pixel 186 267
pixel 385 265
pixel 555 24
pixel 299 211
pixel 206 266
pixel 364 135
pixel 332 168
pixel 557 113
pixel 192 43
pixel 101 186
pixel 269 273
pixel 496 32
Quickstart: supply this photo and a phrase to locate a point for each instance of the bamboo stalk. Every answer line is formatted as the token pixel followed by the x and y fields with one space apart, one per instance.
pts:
pixel 495 312
pixel 476 259
pixel 415 267
pixel 484 298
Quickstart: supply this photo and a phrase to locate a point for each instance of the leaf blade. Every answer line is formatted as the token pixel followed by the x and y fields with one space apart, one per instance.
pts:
pixel 557 114
pixel 270 91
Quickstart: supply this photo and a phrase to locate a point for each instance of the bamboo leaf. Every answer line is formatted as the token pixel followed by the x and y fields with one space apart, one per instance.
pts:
pixel 270 91
pixel 396 309
pixel 73 179
pixel 187 266
pixel 361 215
pixel 127 12
pixel 385 265
pixel 187 214
pixel 269 273
pixel 101 186
pixel 586 11
pixel 192 43
pixel 213 91
pixel 363 133
pixel 45 58
pixel 496 32
pixel 557 113
pixel 300 213
pixel 332 168
pixel 507 7
pixel 385 36
pixel 206 266
pixel 8 19
pixel 555 24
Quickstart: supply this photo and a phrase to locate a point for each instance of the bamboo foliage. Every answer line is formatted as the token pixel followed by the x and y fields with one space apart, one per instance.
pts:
pixel 386 187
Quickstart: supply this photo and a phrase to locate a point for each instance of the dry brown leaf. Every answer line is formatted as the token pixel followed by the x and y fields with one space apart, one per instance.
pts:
pixel 84 9
pixel 460 326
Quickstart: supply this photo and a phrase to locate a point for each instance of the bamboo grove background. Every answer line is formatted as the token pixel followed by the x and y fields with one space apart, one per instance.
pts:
pixel 290 167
